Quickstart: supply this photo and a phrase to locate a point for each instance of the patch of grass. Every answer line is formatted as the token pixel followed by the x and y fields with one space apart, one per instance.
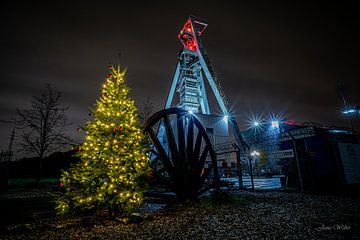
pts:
pixel 23 182
pixel 222 199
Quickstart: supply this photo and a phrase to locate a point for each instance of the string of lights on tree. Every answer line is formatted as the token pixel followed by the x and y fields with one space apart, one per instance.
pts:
pixel 113 155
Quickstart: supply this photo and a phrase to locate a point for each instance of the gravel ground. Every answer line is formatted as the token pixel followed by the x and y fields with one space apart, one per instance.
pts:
pixel 253 215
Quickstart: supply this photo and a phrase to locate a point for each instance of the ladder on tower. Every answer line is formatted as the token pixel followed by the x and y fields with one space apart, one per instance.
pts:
pixel 238 137
pixel 213 75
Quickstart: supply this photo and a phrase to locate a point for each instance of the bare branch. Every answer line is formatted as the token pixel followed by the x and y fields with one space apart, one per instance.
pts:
pixel 44 124
pixel 146 111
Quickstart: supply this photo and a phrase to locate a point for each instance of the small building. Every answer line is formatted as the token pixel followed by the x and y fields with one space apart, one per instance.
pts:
pixel 328 158
pixel 217 128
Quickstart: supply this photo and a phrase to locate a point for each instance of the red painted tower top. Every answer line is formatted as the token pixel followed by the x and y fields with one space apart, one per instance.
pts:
pixel 192 29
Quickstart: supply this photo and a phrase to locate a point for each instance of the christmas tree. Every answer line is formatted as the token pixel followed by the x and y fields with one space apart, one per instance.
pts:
pixel 113 156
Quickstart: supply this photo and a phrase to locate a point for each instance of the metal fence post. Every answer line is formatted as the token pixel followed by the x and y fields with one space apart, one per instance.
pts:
pixel 297 161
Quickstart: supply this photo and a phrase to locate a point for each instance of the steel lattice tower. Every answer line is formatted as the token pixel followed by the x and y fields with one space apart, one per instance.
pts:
pixel 192 68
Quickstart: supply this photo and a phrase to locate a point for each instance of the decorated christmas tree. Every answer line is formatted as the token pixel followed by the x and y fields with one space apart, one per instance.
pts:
pixel 113 156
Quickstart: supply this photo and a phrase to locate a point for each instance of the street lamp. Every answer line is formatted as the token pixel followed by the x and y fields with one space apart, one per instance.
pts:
pixel 275 124
pixel 255 123
pixel 351 111
pixel 225 118
pixel 255 153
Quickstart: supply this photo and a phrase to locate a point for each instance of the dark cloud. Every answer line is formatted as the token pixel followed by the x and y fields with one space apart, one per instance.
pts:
pixel 284 58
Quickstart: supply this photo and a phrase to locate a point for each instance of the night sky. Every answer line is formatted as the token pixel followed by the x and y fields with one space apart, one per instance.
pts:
pixel 278 58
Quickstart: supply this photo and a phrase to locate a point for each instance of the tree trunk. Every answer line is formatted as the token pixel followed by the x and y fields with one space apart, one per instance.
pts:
pixel 40 171
pixel 110 213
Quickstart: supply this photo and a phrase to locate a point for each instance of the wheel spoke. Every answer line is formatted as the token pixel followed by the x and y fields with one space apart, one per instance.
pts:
pixel 216 172
pixel 190 141
pixel 171 139
pixel 178 157
pixel 161 151
pixel 206 188
pixel 203 156
pixel 181 140
pixel 206 174
pixel 152 151
pixel 163 180
pixel 201 163
pixel 196 152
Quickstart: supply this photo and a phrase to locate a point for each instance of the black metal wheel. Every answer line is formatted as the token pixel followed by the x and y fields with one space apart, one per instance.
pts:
pixel 182 156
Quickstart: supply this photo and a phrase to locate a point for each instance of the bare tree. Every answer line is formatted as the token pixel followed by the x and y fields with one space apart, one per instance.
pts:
pixel 43 126
pixel 146 111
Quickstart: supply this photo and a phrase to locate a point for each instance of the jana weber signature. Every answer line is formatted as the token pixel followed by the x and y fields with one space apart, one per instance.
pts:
pixel 339 227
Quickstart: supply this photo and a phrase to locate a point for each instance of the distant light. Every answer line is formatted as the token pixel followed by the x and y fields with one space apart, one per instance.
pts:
pixel 255 153
pixel 225 118
pixel 274 121
pixel 191 112
pixel 275 124
pixel 290 122
pixel 349 111
pixel 255 122
pixel 339 131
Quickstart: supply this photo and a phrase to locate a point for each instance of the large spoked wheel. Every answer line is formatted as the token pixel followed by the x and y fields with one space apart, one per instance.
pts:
pixel 182 156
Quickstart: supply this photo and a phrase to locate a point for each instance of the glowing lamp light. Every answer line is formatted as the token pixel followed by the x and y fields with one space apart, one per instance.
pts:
pixel 290 122
pixel 191 112
pixel 275 124
pixel 225 118
pixel 255 123
pixel 255 153
pixel 349 111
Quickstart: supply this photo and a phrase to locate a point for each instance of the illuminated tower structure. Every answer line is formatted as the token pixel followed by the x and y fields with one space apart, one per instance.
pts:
pixel 192 67
pixel 192 70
